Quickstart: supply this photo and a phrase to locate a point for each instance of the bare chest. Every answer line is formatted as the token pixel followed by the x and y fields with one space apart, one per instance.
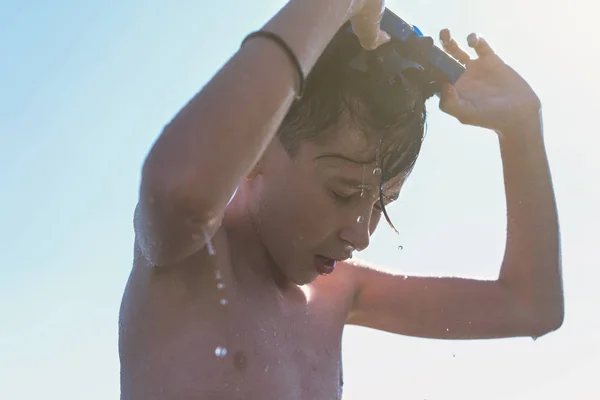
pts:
pixel 251 347
pixel 284 355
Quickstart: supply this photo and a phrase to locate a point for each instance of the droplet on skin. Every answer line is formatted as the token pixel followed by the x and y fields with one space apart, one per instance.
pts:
pixel 218 274
pixel 400 247
pixel 377 171
pixel 209 245
pixel 224 302
pixel 220 285
pixel 267 368
pixel 220 352
pixel 359 219
pixel 362 189
pixel 206 237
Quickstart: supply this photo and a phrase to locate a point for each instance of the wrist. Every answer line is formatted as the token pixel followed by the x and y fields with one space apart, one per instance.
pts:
pixel 308 26
pixel 529 126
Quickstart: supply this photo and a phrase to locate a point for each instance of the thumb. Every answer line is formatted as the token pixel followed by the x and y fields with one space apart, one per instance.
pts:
pixel 450 101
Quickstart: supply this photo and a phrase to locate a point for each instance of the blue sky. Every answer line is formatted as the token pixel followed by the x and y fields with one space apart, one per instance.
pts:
pixel 85 87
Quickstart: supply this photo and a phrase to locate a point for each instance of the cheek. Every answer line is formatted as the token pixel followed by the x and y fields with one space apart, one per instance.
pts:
pixel 314 211
pixel 297 211
pixel 375 219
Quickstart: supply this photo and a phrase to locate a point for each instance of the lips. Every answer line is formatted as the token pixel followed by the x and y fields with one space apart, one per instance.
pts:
pixel 324 265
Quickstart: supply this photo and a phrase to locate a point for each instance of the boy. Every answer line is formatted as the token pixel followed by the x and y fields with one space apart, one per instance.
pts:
pixel 247 297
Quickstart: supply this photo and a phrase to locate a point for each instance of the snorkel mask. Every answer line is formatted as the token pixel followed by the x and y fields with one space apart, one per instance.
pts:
pixel 409 56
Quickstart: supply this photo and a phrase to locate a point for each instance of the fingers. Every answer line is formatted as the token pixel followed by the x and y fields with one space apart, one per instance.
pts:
pixel 480 45
pixel 366 25
pixel 452 48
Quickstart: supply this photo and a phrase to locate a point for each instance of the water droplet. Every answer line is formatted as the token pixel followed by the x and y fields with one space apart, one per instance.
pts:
pixel 405 276
pixel 224 302
pixel 209 245
pixel 362 189
pixel 267 368
pixel 218 274
pixel 359 219
pixel 377 171
pixel 220 285
pixel 274 333
pixel 220 352
pixel 453 355
pixel 400 247
pixel 447 329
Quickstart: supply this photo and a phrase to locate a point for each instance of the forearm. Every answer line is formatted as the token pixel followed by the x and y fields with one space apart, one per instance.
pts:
pixel 220 134
pixel 532 263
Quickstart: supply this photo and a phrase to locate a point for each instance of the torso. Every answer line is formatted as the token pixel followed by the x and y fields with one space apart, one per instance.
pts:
pixel 173 327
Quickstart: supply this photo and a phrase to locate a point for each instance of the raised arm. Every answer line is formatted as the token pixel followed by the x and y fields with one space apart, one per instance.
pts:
pixel 527 298
pixel 197 162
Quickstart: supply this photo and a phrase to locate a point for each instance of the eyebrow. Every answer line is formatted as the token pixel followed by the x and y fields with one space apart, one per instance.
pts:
pixel 346 158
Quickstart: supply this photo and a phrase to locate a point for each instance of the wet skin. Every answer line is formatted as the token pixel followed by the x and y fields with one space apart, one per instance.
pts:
pixel 282 322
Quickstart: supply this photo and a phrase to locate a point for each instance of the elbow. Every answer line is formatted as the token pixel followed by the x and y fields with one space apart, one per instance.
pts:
pixel 548 320
pixel 554 320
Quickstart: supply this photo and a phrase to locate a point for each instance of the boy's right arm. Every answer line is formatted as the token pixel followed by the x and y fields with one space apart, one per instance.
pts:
pixel 197 162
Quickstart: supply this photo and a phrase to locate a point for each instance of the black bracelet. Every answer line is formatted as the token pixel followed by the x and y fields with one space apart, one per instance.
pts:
pixel 287 50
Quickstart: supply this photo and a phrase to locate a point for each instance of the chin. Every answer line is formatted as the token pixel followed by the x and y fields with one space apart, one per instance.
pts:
pixel 306 281
pixel 301 274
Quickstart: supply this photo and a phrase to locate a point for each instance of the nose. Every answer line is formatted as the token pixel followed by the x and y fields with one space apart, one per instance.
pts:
pixel 356 232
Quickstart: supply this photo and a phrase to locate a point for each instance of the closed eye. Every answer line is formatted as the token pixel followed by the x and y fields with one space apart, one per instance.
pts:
pixel 342 197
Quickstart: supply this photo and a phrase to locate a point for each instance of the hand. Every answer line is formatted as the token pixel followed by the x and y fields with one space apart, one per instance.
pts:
pixel 489 94
pixel 365 17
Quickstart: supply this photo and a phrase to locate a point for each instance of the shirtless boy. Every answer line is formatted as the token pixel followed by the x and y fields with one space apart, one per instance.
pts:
pixel 247 299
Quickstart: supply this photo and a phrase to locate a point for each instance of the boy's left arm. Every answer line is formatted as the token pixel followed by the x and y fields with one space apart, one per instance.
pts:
pixel 527 298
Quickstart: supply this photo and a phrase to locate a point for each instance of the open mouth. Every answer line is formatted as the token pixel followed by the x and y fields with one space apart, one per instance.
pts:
pixel 324 265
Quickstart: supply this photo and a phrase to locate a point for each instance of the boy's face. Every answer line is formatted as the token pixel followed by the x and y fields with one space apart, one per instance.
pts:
pixel 322 203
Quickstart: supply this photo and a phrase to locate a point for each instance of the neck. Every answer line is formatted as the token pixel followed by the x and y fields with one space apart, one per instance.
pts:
pixel 251 259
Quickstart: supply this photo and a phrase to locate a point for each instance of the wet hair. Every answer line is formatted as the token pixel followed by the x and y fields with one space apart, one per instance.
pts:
pixel 382 106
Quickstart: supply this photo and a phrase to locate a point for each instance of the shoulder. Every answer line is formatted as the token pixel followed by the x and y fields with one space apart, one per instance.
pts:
pixel 343 285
